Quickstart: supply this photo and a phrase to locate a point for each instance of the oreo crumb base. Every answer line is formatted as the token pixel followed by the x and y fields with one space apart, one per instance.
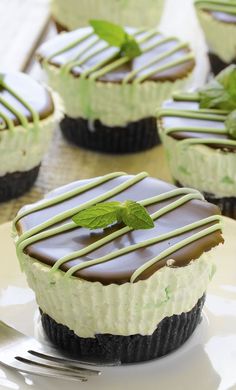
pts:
pixel 15 184
pixel 217 65
pixel 227 205
pixel 137 136
pixel 169 335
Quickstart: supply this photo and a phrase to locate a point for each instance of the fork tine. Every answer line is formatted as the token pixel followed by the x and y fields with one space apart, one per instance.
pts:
pixel 70 364
pixel 75 363
pixel 60 371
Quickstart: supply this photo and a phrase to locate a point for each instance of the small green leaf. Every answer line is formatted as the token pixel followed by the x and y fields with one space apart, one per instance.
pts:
pixel 112 33
pixel 98 216
pixel 135 215
pixel 230 124
pixel 221 91
pixel 116 35
pixel 213 95
pixel 130 48
pixel 102 215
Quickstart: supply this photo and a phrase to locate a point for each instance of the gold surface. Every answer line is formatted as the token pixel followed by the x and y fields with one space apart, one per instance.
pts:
pixel 65 162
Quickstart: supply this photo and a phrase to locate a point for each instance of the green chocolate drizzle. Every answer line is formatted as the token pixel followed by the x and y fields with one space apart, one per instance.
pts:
pixel 205 114
pixel 184 195
pixel 111 62
pixel 22 118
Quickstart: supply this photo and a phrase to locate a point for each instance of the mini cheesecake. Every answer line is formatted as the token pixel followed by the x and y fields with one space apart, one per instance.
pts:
pixel 218 21
pixel 200 151
pixel 72 14
pixel 27 118
pixel 110 101
pixel 119 294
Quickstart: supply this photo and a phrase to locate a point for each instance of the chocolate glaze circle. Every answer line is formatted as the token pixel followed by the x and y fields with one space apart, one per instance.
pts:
pixel 120 269
pixel 117 75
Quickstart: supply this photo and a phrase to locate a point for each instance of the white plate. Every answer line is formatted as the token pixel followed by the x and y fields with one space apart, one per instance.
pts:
pixel 207 361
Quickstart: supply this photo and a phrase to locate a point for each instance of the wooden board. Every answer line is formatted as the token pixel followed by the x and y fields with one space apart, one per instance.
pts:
pixel 22 24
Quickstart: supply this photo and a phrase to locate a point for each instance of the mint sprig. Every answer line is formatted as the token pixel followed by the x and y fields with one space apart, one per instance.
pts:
pixel 230 124
pixel 116 36
pixel 221 91
pixel 103 215
pixel 135 215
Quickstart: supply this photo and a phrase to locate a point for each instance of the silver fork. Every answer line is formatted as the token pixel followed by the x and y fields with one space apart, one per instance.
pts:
pixel 27 355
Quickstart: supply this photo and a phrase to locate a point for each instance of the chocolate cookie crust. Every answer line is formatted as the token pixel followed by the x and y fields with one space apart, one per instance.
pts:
pixel 137 136
pixel 169 335
pixel 15 184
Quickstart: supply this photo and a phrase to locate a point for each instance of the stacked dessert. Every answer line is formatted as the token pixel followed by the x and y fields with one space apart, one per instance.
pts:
pixel 199 134
pixel 111 80
pixel 119 264
pixel 218 21
pixel 71 14
pixel 27 118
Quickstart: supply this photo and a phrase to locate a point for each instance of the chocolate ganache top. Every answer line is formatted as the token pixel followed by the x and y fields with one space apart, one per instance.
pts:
pixel 185 227
pixel 83 53
pixel 222 10
pixel 22 100
pixel 183 119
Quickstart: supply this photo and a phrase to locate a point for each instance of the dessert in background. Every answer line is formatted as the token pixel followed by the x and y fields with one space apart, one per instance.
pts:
pixel 27 118
pixel 111 81
pixel 198 131
pixel 72 14
pixel 218 21
pixel 119 264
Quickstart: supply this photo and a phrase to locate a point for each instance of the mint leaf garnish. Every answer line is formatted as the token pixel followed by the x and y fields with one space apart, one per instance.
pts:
pixel 98 216
pixel 227 78
pixel 221 91
pixel 135 215
pixel 109 32
pixel 116 36
pixel 130 48
pixel 230 124
pixel 102 215
pixel 213 95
